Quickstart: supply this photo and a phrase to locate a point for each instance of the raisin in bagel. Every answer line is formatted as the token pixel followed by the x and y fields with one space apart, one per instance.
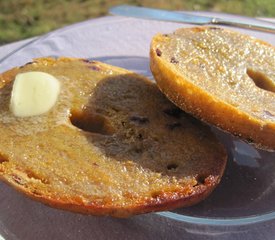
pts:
pixel 221 77
pixel 112 144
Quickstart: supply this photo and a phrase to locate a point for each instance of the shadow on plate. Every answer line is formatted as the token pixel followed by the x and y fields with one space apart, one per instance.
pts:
pixel 247 187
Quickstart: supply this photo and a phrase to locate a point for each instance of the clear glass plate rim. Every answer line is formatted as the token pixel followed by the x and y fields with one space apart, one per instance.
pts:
pixel 232 221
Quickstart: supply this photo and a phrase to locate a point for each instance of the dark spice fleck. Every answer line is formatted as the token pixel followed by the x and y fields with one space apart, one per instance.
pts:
pixel 214 28
pixel 165 35
pixel 173 112
pixel 138 119
pixel 200 179
pixel 172 166
pixel 159 53
pixel 138 150
pixel 173 60
pixel 268 113
pixel 202 66
pixel 85 60
pixel 140 137
pixel 173 126
pixel 95 68
pixel 123 124
pixel 88 60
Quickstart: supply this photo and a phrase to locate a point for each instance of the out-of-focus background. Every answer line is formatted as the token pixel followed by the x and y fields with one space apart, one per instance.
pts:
pixel 21 19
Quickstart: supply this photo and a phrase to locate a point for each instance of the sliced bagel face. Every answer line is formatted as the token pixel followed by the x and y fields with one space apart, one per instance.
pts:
pixel 112 145
pixel 221 77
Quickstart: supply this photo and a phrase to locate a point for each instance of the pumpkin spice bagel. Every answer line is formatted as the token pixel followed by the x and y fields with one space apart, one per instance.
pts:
pixel 222 77
pixel 111 145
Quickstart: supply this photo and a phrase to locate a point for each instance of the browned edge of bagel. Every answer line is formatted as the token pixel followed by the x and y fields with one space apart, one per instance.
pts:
pixel 163 202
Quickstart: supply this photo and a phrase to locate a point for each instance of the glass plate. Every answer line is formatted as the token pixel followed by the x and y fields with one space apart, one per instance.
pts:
pixel 246 194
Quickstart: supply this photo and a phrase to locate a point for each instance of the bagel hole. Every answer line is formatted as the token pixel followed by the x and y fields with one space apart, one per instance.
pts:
pixel 91 122
pixel 261 80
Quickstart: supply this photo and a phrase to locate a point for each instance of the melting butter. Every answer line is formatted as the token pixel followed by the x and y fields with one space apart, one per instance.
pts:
pixel 33 93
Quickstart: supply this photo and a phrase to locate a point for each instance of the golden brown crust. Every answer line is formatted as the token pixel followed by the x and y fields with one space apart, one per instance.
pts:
pixel 206 106
pixel 109 146
pixel 164 201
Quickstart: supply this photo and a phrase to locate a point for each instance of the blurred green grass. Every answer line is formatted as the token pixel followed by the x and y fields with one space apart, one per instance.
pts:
pixel 21 19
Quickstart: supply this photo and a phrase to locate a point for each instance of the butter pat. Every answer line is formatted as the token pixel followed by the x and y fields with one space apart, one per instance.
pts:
pixel 33 93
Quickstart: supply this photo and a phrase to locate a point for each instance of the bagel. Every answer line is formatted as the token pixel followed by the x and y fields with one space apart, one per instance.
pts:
pixel 222 77
pixel 111 145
